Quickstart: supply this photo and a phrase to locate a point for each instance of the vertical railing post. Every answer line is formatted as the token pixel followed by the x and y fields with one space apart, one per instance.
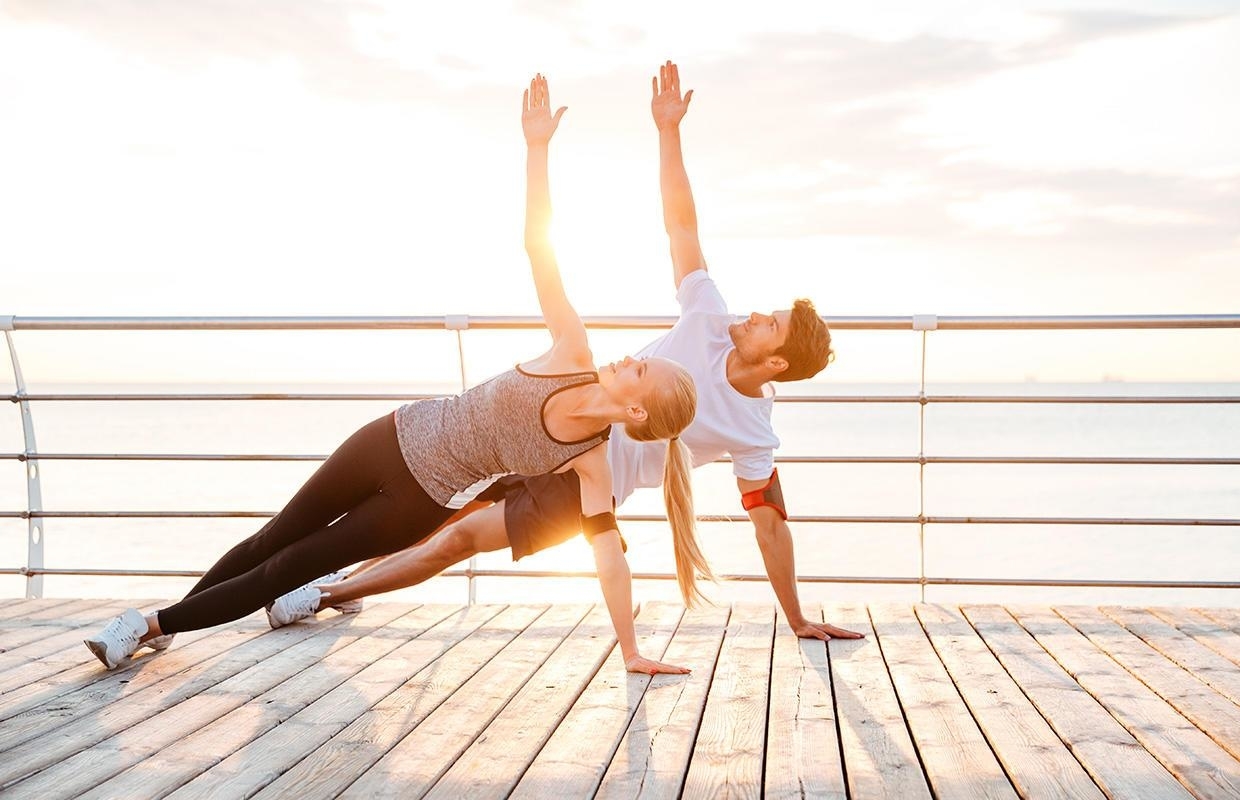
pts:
pixel 458 323
pixel 924 323
pixel 34 493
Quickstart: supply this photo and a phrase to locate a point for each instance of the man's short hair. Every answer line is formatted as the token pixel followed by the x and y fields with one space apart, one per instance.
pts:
pixel 808 346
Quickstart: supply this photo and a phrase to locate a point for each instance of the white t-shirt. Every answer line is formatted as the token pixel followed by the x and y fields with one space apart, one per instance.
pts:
pixel 726 420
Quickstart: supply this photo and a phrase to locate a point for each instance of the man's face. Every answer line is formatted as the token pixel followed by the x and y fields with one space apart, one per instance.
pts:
pixel 758 336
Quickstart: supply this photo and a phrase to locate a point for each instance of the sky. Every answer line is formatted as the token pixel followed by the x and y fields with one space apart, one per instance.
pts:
pixel 308 157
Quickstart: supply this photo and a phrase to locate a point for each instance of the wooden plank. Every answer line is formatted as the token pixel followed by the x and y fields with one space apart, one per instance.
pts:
pixel 1036 761
pixel 1204 663
pixel 89 716
pixel 1203 630
pixel 1187 753
pixel 879 758
pixel 60 648
pixel 413 765
pixel 91 612
pixel 727 757
pixel 342 755
pixel 574 758
pixel 669 713
pixel 12 612
pixel 274 728
pixel 957 760
pixel 1209 711
pixel 492 765
pixel 1119 765
pixel 803 757
pixel 138 671
pixel 1229 618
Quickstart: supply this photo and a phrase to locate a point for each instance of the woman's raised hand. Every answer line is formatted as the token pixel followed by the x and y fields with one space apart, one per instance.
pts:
pixel 536 119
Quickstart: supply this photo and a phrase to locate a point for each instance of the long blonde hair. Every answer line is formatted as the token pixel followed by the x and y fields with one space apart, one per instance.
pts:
pixel 669 410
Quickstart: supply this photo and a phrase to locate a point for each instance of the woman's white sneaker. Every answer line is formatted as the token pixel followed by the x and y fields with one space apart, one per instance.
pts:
pixel 119 639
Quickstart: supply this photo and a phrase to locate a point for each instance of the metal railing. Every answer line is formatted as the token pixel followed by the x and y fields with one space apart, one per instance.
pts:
pixel 36 515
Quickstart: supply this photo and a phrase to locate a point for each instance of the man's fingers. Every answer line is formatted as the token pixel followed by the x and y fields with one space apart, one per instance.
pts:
pixel 654 86
pixel 688 97
pixel 675 77
pixel 560 113
pixel 525 101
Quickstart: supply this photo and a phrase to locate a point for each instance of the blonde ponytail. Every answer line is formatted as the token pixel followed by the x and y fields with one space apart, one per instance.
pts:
pixel 678 499
pixel 670 410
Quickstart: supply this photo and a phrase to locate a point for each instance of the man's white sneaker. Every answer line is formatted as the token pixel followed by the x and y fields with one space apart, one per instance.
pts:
pixel 348 606
pixel 300 603
pixel 159 642
pixel 119 639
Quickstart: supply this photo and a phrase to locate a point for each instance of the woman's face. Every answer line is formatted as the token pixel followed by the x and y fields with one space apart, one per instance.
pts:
pixel 631 380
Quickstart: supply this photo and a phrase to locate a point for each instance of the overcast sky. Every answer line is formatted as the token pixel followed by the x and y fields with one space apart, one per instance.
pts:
pixel 300 157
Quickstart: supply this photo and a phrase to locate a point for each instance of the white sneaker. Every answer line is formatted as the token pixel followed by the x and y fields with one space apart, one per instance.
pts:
pixel 348 606
pixel 119 639
pixel 159 642
pixel 301 603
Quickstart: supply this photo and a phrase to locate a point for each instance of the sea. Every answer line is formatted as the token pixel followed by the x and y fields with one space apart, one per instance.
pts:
pixel 853 550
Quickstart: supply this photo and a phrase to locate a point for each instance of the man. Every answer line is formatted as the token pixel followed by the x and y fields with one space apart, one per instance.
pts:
pixel 732 363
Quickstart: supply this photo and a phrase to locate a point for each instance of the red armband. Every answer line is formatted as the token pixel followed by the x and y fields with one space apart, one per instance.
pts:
pixel 769 495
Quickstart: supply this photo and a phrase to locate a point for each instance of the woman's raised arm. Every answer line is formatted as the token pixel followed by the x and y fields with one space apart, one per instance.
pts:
pixel 539 125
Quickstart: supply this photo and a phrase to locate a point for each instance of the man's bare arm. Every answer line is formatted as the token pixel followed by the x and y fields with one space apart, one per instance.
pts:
pixel 775 542
pixel 668 108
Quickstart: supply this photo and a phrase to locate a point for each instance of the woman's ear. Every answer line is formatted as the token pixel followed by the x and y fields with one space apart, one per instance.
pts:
pixel 636 413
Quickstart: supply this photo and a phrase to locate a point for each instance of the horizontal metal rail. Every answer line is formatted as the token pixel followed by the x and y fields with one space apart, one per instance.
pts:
pixel 905 580
pixel 1052 460
pixel 471 322
pixel 1157 399
pixel 872 519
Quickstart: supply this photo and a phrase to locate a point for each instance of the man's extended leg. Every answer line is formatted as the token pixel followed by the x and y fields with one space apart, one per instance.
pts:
pixel 479 532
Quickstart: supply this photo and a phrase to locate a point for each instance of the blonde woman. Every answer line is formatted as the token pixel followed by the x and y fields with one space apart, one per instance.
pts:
pixel 399 478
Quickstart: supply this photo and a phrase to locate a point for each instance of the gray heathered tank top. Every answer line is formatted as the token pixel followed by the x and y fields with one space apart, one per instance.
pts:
pixel 456 446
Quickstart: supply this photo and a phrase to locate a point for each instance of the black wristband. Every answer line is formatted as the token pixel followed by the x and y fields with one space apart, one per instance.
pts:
pixel 599 523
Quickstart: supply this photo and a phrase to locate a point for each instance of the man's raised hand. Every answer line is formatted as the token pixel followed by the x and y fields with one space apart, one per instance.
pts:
pixel 667 106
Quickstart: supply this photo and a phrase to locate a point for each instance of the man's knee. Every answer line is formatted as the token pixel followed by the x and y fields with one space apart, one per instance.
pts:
pixel 480 532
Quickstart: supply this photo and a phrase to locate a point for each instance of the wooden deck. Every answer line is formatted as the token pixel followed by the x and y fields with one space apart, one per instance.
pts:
pixel 531 701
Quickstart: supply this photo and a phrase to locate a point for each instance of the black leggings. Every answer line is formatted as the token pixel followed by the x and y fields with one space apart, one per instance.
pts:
pixel 361 503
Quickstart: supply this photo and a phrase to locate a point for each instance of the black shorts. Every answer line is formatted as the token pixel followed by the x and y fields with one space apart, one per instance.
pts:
pixel 539 512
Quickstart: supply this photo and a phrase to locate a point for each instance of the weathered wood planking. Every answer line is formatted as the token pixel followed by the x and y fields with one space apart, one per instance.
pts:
pixel 573 761
pixel 1208 710
pixel 668 714
pixel 331 767
pixel 418 760
pixel 1204 663
pixel 1038 763
pixel 1110 753
pixel 150 723
pixel 1203 630
pixel 531 701
pixel 803 756
pixel 879 757
pixel 344 684
pixel 727 757
pixel 955 755
pixel 1191 756
pixel 492 765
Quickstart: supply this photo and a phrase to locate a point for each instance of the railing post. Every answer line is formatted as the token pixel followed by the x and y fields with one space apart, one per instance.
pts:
pixel 458 323
pixel 34 493
pixel 924 323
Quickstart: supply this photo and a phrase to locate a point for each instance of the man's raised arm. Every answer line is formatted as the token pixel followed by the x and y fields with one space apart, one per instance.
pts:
pixel 668 108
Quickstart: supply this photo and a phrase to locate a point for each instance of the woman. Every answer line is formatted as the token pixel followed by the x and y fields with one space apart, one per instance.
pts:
pixel 400 477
